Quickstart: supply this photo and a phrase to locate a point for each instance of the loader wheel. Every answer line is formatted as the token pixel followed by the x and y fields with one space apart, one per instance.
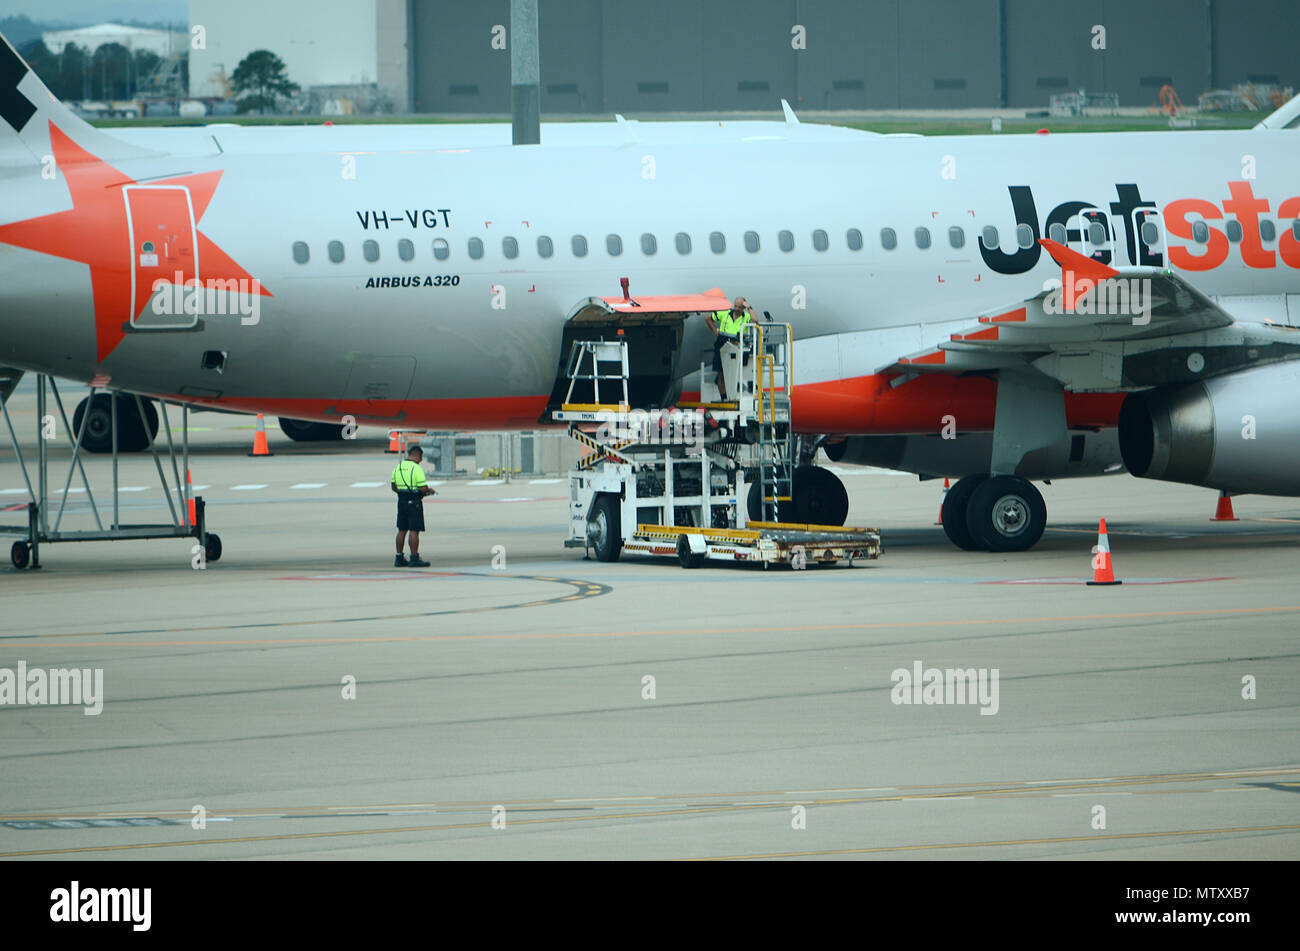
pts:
pixel 685 556
pixel 604 529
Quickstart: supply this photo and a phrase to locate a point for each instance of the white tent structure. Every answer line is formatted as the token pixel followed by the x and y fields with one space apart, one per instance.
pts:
pixel 162 42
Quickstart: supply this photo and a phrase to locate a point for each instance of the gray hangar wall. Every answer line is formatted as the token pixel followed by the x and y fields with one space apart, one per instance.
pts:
pixel 601 56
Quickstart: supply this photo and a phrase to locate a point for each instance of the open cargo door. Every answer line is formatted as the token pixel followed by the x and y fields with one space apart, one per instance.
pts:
pixel 652 328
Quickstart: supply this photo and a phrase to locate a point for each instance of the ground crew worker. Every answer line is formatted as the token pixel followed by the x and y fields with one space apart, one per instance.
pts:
pixel 411 487
pixel 727 326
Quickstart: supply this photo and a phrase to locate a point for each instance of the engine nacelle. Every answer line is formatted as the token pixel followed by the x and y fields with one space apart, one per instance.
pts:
pixel 1239 432
pixel 1079 454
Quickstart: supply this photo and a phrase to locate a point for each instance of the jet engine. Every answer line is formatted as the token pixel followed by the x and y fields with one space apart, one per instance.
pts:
pixel 1239 432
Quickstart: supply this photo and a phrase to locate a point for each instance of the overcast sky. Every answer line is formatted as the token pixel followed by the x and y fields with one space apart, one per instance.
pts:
pixel 84 12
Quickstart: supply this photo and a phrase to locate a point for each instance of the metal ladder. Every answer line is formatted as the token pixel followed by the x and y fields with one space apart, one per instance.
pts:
pixel 597 352
pixel 771 346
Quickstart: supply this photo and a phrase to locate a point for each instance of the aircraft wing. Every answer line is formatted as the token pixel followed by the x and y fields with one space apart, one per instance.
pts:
pixel 1106 329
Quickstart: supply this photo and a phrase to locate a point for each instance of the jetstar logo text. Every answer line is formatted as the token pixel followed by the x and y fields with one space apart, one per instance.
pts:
pixel 1201 234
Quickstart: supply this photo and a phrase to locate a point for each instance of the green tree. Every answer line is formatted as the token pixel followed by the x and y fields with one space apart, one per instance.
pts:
pixel 261 75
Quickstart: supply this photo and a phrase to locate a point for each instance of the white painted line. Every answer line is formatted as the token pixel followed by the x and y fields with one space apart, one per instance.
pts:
pixel 1238 790
pixel 13 491
pixel 249 487
pixel 609 799
pixel 144 488
pixel 544 481
pixel 365 485
pixel 436 482
pixel 934 798
pixel 486 482
pixel 196 488
pixel 518 498
pixel 309 485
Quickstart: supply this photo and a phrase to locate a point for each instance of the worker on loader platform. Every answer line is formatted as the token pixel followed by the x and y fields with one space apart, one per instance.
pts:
pixel 727 326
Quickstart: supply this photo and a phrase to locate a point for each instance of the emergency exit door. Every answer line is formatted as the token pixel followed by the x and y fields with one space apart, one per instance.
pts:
pixel 164 247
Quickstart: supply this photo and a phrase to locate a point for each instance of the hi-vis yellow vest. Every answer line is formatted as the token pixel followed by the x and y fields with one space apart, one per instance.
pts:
pixel 731 326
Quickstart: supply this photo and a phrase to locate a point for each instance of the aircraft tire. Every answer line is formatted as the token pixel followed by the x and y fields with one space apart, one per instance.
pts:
pixel 819 497
pixel 302 430
pixel 603 529
pixel 134 434
pixel 954 510
pixel 1006 513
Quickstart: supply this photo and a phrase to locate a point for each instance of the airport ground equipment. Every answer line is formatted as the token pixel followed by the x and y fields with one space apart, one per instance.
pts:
pixel 704 479
pixel 44 518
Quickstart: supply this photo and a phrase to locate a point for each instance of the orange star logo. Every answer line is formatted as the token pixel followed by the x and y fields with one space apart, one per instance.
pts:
pixel 130 235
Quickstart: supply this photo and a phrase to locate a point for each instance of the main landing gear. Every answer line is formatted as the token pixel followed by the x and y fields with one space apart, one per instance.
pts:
pixel 994 513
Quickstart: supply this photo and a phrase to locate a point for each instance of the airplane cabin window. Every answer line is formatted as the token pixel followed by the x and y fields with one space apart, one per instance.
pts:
pixel 990 237
pixel 1295 229
pixel 888 239
pixel 510 247
pixel 1150 234
pixel 441 249
pixel 301 253
pixel 956 237
pixel 751 241
pixel 820 241
pixel 1234 230
pixel 1024 236
pixel 1200 232
pixel 683 241
pixel 370 250
pixel 1056 231
pixel 1097 234
pixel 1267 230
pixel 335 249
pixel 579 246
pixel 545 247
pixel 475 248
pixel 717 242
pixel 648 244
pixel 785 240
pixel 405 249
pixel 922 238
pixel 614 245
pixel 854 239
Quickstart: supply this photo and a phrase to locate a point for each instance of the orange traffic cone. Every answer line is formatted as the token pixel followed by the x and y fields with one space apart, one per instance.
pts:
pixel 259 439
pixel 189 482
pixel 942 497
pixel 1102 573
pixel 394 441
pixel 1223 511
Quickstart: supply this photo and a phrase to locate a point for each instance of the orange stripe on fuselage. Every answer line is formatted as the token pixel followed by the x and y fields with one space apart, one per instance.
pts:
pixel 861 405
pixel 869 405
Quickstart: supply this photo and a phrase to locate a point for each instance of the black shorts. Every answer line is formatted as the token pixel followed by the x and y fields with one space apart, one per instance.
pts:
pixel 410 512
pixel 718 343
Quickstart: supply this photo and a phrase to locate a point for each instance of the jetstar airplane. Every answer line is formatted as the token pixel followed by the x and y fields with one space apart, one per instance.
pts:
pixel 1000 308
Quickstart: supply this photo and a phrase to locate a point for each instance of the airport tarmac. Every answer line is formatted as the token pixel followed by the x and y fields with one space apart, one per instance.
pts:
pixel 505 712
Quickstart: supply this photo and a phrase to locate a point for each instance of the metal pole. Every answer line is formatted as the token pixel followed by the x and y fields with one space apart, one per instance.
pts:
pixel 112 402
pixel 525 74
pixel 43 461
pixel 185 443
